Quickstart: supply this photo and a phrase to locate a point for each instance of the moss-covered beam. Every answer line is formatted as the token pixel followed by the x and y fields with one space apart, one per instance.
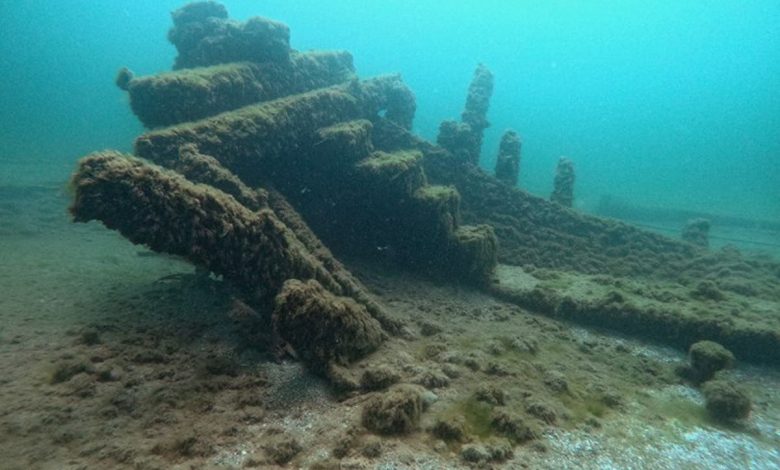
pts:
pixel 342 145
pixel 473 254
pixel 435 213
pixel 261 141
pixel 349 284
pixel 755 341
pixel 394 176
pixel 191 94
pixel 205 169
pixel 170 214
pixel 255 141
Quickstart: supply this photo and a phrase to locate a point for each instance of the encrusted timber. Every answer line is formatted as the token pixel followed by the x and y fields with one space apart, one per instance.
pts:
pixel 394 203
pixel 424 216
pixel 423 221
pixel 258 141
pixel 434 235
pixel 323 328
pixel 387 93
pixel 268 141
pixel 168 213
pixel 204 169
pixel 191 94
pixel 392 177
pixel 532 230
pixel 464 139
pixel 203 35
pixel 342 145
pixel 349 284
pixel 752 344
pixel 436 212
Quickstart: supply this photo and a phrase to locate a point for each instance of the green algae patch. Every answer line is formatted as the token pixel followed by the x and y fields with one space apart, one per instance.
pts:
pixel 682 409
pixel 478 417
pixel 582 408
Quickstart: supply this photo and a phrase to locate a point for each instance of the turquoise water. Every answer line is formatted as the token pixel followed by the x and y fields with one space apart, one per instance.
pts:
pixel 660 103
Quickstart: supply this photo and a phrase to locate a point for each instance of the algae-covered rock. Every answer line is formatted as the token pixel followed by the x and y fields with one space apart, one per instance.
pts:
pixel 542 410
pixel 379 377
pixel 495 450
pixel 512 426
pixel 707 290
pixel 707 358
pixel 395 412
pixel 431 378
pixel 726 401
pixel 65 370
pixel 323 327
pixel 450 429
pixel 556 381
pixel 491 395
pixel 281 449
pixel 372 447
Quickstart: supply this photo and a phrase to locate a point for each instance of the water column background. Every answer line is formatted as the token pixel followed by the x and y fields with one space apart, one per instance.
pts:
pixel 660 103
